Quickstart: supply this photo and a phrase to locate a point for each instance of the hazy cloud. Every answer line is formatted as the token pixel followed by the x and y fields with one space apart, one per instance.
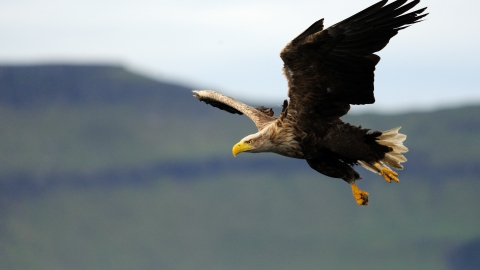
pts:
pixel 233 46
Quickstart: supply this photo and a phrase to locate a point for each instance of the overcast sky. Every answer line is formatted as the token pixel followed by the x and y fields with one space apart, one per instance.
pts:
pixel 233 46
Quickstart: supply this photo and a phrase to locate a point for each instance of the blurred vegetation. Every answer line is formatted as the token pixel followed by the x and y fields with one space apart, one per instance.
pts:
pixel 146 181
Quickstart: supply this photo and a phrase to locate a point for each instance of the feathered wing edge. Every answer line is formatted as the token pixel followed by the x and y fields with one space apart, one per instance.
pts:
pixel 260 117
pixel 344 52
pixel 394 140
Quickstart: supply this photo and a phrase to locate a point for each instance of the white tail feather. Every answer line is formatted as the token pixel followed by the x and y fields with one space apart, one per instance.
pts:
pixel 394 140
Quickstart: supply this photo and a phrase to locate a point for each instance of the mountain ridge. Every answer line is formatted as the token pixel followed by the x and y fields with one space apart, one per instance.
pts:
pixel 168 113
pixel 104 169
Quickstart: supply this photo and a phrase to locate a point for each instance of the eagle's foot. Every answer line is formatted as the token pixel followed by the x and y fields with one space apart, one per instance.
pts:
pixel 387 173
pixel 360 196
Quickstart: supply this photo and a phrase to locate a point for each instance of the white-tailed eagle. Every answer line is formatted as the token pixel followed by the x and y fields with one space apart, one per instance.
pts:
pixel 327 70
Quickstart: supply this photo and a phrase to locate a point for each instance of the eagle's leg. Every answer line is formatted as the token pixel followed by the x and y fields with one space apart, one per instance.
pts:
pixel 360 196
pixel 386 173
pixel 338 169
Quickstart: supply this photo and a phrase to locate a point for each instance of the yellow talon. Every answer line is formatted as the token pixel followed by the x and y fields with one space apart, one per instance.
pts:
pixel 387 173
pixel 360 196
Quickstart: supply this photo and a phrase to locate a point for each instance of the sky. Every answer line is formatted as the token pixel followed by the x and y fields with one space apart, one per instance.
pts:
pixel 232 46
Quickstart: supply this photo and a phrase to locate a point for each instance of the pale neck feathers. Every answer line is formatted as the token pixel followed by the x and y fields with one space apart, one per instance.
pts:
pixel 278 139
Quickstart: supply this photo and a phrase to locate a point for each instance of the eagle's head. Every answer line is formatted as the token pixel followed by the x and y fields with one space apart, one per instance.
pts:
pixel 273 138
pixel 254 143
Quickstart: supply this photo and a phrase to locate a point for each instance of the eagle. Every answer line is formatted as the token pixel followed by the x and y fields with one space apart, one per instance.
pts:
pixel 327 70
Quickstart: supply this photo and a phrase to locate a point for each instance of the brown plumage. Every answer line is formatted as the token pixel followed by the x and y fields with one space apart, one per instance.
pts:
pixel 327 70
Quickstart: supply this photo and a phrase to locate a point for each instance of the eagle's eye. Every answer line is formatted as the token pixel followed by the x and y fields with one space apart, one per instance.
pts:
pixel 249 141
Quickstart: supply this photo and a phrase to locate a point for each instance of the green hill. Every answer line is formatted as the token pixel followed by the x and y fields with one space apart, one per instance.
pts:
pixel 104 169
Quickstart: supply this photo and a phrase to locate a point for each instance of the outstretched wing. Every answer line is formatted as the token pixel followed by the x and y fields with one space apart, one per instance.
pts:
pixel 327 70
pixel 260 116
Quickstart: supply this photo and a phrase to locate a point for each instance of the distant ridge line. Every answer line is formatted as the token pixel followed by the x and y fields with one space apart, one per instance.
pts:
pixel 26 85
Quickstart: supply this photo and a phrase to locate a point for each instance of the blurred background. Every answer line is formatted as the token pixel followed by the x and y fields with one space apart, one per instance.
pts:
pixel 108 162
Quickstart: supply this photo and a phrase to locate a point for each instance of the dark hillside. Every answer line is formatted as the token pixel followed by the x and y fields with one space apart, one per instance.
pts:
pixel 104 107
pixel 101 168
pixel 73 84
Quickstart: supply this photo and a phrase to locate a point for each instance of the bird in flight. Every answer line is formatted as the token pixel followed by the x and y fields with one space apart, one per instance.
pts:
pixel 327 70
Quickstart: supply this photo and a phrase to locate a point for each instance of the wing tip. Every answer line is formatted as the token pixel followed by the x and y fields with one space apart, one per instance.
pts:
pixel 201 94
pixel 312 29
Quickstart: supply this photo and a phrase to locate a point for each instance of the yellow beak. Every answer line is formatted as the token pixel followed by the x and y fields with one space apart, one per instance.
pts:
pixel 240 147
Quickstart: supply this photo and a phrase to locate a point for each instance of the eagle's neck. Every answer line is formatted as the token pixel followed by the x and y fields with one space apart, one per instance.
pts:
pixel 280 139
